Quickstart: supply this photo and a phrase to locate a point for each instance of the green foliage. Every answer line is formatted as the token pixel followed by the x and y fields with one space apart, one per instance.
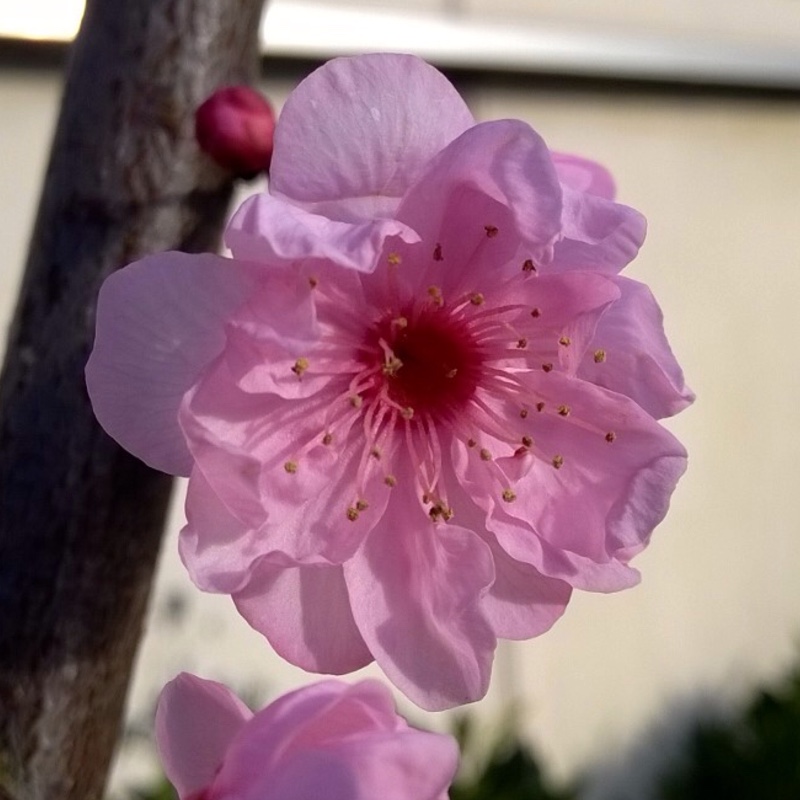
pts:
pixel 756 755
pixel 161 791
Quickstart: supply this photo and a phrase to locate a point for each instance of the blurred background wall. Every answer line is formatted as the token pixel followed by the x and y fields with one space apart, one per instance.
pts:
pixel 716 169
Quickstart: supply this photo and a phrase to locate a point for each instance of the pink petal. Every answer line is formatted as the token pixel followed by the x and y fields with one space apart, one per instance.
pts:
pixel 415 589
pixel 267 460
pixel 496 174
pixel 160 322
pixel 588 504
pixel 305 614
pixel 267 228
pixel 357 132
pixel 584 175
pixel 598 234
pixel 637 360
pixel 196 721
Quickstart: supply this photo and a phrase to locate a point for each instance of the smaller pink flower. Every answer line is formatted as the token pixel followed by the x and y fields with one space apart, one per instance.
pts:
pixel 331 739
pixel 235 126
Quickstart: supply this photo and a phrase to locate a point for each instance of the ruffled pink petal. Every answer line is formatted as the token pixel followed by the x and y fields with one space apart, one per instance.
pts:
pixel 598 234
pixel 196 721
pixel 270 462
pixel 494 188
pixel 305 614
pixel 636 358
pixel 269 229
pixel 415 589
pixel 584 175
pixel 601 482
pixel 355 134
pixel 160 322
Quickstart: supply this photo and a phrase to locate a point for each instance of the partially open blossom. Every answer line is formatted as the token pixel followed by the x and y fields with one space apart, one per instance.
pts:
pixel 235 126
pixel 418 407
pixel 328 740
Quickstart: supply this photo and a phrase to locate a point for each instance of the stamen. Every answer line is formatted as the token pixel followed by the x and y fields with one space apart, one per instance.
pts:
pixel 313 282
pixel 547 367
pixel 527 441
pixel 477 299
pixel 524 413
pixel 375 452
pixel 390 481
pixel 509 496
pixel 536 313
pixel 356 400
pixel 352 514
pixel 407 413
pixel 610 436
pixel 290 467
pixel 485 455
pixel 540 406
pixel 599 356
pixel 437 253
pixel 362 505
pixel 558 461
pixel 394 259
pixel 565 341
pixel 399 322
pixel 327 439
pixel 563 411
pixel 522 343
pixel 435 293
pixel 300 366
pixel 471 443
pixel 528 266
pixel 491 230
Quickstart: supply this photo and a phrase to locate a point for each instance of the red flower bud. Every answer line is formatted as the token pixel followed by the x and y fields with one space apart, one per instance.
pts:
pixel 235 126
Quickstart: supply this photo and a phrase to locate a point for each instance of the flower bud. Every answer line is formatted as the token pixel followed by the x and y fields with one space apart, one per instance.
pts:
pixel 235 126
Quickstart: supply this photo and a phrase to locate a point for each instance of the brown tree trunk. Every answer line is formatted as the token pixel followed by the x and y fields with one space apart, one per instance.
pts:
pixel 80 520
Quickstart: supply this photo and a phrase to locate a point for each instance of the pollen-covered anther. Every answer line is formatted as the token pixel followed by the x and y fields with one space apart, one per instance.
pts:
pixel 356 400
pixel 313 282
pixel 610 436
pixel 400 323
pixel 558 461
pixel 547 367
pixel 437 253
pixel 523 413
pixel 527 441
pixel 522 343
pixel 300 366
pixel 435 293
pixel 528 266
pixel 563 411
pixel 565 341
pixel 439 511
pixel 327 439
pixel 599 356
pixel 485 455
pixel 540 406
pixel 375 452
pixel 352 513
pixel 477 299
pixel 491 230
pixel 394 259
pixel 536 312
pixel 509 496
pixel 390 481
pixel 471 443
pixel 290 467
pixel 451 373
pixel 407 413
pixel 391 366
pixel 362 505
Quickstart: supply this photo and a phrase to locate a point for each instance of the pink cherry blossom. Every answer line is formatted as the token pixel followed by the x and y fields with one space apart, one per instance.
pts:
pixel 418 407
pixel 329 739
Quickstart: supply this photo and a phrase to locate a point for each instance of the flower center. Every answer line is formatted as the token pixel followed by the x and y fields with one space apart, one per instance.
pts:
pixel 431 361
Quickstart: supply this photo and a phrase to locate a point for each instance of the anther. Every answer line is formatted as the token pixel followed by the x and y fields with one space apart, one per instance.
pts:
pixel 509 496
pixel 528 266
pixel 356 400
pixel 290 467
pixel 362 505
pixel 599 356
pixel 435 293
pixel 485 455
pixel 394 259
pixel 440 511
pixel 400 322
pixel 536 313
pixel 327 439
pixel 540 406
pixel 565 341
pixel 522 343
pixel 563 411
pixel 491 231
pixel 548 367
pixel 300 366
pixel 523 413
pixel 407 412
pixel 477 299
pixel 451 373
pixel 390 481
pixel 527 441
pixel 391 367
pixel 313 282
pixel 558 461
pixel 375 452
pixel 610 436
pixel 437 253
pixel 352 514
pixel 471 443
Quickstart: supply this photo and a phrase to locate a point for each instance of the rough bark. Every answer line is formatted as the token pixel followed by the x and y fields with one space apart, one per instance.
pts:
pixel 80 520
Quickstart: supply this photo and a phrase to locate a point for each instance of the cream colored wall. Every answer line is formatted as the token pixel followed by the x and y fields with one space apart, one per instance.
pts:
pixel 718 605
